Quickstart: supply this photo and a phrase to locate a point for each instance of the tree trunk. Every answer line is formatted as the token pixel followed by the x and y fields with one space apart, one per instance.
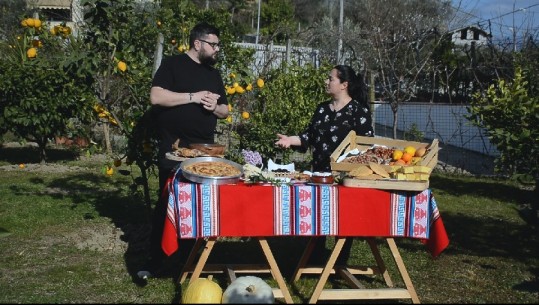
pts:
pixel 42 144
pixel 395 110
pixel 158 53
pixel 106 134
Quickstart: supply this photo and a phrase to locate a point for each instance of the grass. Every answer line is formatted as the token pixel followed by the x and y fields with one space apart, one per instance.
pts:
pixel 79 237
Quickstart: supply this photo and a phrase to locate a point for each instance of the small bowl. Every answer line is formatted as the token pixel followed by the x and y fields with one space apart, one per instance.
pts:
pixel 209 149
pixel 322 178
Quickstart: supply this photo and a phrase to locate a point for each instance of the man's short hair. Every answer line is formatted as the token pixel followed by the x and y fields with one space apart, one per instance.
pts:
pixel 201 31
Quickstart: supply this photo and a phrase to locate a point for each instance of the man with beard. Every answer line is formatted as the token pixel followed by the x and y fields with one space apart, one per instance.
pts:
pixel 188 97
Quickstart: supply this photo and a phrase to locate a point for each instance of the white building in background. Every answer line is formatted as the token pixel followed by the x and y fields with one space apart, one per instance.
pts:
pixel 56 12
pixel 273 56
pixel 470 35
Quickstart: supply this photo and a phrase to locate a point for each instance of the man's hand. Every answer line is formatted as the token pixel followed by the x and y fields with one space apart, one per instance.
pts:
pixel 208 100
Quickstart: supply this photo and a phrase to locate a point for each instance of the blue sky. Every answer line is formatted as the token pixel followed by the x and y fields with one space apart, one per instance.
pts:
pixel 500 13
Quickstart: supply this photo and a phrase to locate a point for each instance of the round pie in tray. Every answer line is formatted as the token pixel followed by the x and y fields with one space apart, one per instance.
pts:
pixel 211 170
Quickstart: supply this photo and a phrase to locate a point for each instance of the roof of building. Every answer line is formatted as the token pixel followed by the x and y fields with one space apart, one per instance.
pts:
pixel 471 27
pixel 54 4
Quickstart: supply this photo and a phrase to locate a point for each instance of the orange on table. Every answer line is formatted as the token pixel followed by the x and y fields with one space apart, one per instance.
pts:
pixel 407 157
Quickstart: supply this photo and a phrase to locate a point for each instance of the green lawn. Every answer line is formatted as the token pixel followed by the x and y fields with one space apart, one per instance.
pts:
pixel 78 237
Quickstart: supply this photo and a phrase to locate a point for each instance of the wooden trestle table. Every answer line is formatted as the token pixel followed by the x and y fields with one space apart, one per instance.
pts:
pixel 208 212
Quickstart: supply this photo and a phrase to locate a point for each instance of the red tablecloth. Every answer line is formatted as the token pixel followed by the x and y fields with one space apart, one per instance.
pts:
pixel 245 210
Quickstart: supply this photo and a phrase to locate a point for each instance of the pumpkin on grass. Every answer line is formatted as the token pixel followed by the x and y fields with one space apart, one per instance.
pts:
pixel 202 291
pixel 248 290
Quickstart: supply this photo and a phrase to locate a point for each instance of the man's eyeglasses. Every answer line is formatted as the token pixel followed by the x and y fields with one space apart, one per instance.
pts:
pixel 212 44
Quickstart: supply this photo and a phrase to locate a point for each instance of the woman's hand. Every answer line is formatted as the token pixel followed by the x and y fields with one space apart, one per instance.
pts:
pixel 283 141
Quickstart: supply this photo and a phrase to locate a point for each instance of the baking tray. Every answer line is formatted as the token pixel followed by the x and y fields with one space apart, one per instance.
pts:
pixel 208 179
pixel 173 157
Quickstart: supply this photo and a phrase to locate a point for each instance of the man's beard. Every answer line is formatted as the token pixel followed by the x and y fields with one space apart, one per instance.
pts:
pixel 206 59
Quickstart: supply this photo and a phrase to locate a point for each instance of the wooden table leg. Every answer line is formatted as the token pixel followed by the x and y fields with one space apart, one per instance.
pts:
pixel 282 292
pixel 402 269
pixel 303 260
pixel 339 243
pixel 191 259
pixel 380 261
pixel 275 272
pixel 359 292
pixel 203 258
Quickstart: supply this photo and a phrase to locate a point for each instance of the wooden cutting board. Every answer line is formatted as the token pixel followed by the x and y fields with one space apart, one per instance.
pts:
pixel 387 184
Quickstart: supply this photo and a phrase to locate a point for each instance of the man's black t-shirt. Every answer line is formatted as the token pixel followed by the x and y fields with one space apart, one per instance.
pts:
pixel 190 123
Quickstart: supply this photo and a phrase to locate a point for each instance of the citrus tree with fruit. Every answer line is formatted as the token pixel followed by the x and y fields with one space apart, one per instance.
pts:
pixel 124 48
pixel 284 105
pixel 44 87
pixel 509 111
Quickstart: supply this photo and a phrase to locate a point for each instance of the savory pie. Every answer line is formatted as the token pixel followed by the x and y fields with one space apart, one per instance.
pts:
pixel 213 169
pixel 188 152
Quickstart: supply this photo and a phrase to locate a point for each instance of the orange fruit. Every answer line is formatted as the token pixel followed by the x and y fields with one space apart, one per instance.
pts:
pixel 231 90
pixel 30 22
pixel 260 83
pixel 229 119
pixel 240 89
pixel 31 53
pixel 109 170
pixel 397 154
pixel 37 23
pixel 122 66
pixel 407 157
pixel 245 115
pixel 229 107
pixel 249 87
pixel 235 85
pixel 22 165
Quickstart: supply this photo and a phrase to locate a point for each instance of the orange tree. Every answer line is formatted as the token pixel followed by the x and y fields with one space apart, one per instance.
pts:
pixel 284 105
pixel 44 88
pixel 509 112
pixel 122 38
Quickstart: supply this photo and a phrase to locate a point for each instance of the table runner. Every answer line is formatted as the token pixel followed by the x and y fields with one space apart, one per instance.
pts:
pixel 245 210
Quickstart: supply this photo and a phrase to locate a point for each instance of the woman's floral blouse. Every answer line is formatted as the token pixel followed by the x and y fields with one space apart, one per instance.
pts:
pixel 328 129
